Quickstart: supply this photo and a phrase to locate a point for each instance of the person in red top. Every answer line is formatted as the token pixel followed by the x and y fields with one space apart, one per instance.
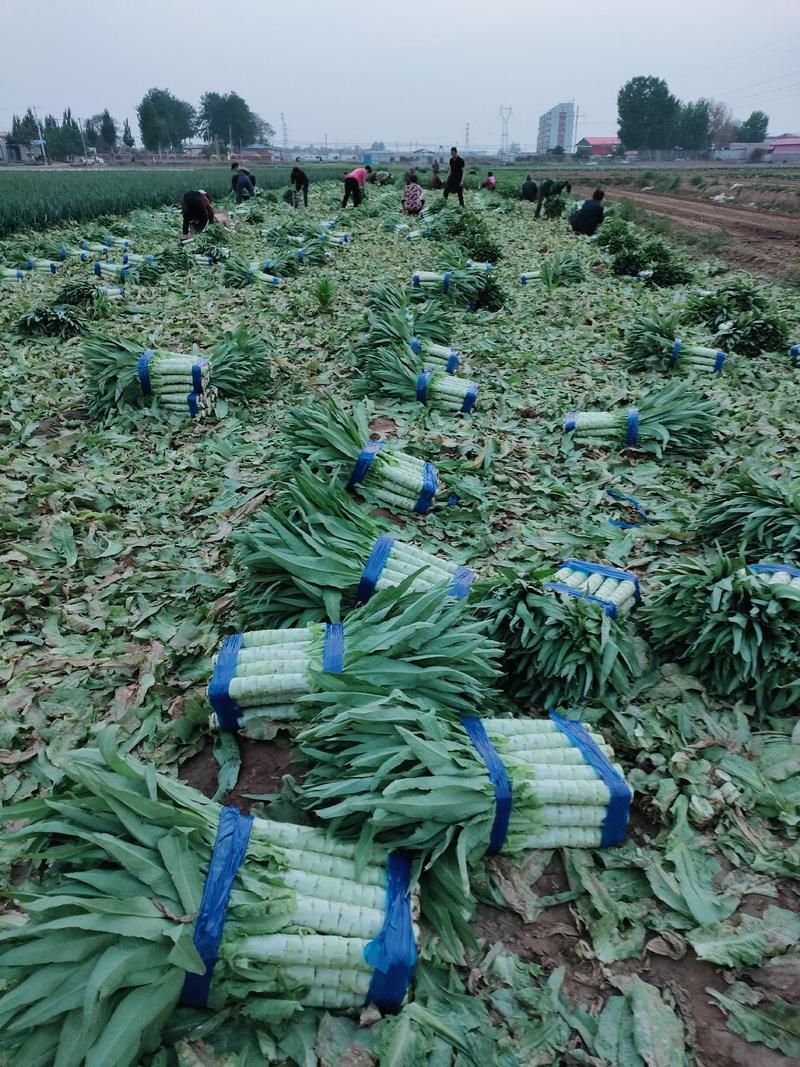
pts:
pixel 197 209
pixel 354 183
pixel 412 201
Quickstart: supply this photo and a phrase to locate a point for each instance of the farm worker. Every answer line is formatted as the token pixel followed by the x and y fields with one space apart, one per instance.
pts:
pixel 549 187
pixel 354 183
pixel 529 190
pixel 412 198
pixel 490 182
pixel 243 183
pixel 197 209
pixel 436 181
pixel 383 177
pixel 589 215
pixel 299 180
pixel 455 178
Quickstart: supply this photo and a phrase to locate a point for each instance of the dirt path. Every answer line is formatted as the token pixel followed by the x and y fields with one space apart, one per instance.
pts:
pixel 768 243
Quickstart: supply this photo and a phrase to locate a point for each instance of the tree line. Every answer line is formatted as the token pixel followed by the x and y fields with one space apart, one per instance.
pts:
pixel 651 118
pixel 165 122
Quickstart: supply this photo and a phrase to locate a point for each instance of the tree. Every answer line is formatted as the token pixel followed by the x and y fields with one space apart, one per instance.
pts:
pixel 558 151
pixel 618 151
pixel 723 124
pixel 693 128
pixel 226 117
pixel 24 130
pixel 108 131
pixel 91 133
pixel 377 146
pixel 164 120
pixel 583 153
pixel 646 113
pixel 62 142
pixel 754 128
pixel 127 136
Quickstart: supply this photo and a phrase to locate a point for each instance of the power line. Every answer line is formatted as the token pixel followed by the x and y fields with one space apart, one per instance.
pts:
pixel 779 77
pixel 505 115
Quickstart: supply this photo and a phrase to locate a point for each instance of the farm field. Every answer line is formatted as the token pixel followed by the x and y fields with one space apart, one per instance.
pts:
pixel 136 539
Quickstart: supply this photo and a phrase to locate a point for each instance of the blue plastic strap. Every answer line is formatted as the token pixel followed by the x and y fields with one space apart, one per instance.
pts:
pixel 794 354
pixel 498 775
pixel 453 361
pixel 462 582
pixel 719 362
pixel 225 707
pixel 471 397
pixel 230 847
pixel 393 953
pixel 606 571
pixel 333 648
pixel 615 823
pixel 20 275
pixel 560 587
pixel 416 346
pixel 97 271
pixel 615 495
pixel 125 258
pixel 191 403
pixel 430 483
pixel 773 568
pixel 422 386
pixel 415 280
pixel 446 279
pixel 143 369
pixel 109 242
pixel 53 268
pixel 632 427
pixel 676 351
pixel 197 377
pixel 569 421
pixel 373 568
pixel 364 462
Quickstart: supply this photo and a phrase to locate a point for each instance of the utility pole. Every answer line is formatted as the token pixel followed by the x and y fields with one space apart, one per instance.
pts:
pixel 505 115
pixel 83 139
pixel 41 138
pixel 230 139
pixel 466 139
pixel 284 131
pixel 575 131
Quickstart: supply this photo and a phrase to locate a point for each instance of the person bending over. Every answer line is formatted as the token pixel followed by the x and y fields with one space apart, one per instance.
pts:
pixel 299 180
pixel 455 177
pixel 489 182
pixel 529 190
pixel 549 187
pixel 589 215
pixel 412 198
pixel 197 210
pixel 354 183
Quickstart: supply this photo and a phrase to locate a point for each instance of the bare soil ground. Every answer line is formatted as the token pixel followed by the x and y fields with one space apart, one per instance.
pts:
pixel 761 242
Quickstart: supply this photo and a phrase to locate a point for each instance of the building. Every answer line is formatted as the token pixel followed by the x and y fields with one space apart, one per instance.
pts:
pixel 257 152
pixel 783 149
pixel 744 152
pixel 556 128
pixel 598 146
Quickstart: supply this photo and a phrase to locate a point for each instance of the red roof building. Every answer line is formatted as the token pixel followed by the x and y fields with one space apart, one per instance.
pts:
pixel 784 149
pixel 599 146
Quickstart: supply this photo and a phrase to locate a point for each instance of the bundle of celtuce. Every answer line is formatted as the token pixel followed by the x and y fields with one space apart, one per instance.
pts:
pixel 470 287
pixel 238 272
pixel 314 552
pixel 46 266
pixel 58 320
pixel 563 644
pixel 397 373
pixel 396 773
pixel 325 435
pixel 673 419
pixel 752 509
pixel 114 271
pixel 423 643
pixel 736 627
pixel 423 330
pixel 84 294
pixel 12 274
pixel 151 888
pixel 59 250
pixel 652 340
pixel 743 316
pixel 561 269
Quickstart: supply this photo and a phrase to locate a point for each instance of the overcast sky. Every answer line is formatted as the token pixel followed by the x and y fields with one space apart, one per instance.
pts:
pixel 402 71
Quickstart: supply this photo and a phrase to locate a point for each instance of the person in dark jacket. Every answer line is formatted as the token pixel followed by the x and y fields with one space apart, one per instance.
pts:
pixel 299 180
pixel 243 182
pixel 529 190
pixel 589 215
pixel 197 210
pixel 455 178
pixel 549 187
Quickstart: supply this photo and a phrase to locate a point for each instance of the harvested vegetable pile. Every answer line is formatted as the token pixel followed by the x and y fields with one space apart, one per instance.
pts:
pixel 639 579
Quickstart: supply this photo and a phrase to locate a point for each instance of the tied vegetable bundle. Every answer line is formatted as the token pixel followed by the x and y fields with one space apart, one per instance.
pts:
pixel 315 553
pixel 674 419
pixel 742 316
pixel 393 772
pixel 653 341
pixel 421 330
pixel 468 286
pixel 238 272
pixel 122 928
pixel 563 269
pixel 752 509
pixel 422 643
pixel 124 373
pixel 397 374
pixel 327 436
pixel 737 627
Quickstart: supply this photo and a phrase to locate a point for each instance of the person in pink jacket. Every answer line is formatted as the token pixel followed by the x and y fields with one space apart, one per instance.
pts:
pixel 354 183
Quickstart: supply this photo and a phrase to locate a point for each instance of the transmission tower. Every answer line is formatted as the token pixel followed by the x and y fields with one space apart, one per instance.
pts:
pixel 284 132
pixel 466 139
pixel 505 115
